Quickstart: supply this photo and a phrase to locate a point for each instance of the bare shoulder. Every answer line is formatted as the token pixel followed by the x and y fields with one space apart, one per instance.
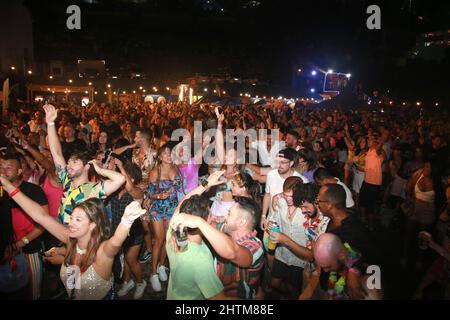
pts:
pixel 153 175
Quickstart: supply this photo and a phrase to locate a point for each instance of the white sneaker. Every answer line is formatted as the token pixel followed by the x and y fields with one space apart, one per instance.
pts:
pixel 162 273
pixel 156 285
pixel 126 287
pixel 140 288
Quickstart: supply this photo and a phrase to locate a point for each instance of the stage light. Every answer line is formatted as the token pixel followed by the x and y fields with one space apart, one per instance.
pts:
pixel 349 75
pixel 70 81
pixel 13 68
pixel 50 77
pixel 312 90
pixel 30 72
pixel 330 71
pixel 313 73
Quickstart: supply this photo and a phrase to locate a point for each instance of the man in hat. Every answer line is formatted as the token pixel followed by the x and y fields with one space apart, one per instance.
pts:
pixel 286 159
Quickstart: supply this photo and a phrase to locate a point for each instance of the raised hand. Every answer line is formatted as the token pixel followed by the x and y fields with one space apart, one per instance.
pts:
pixel 185 220
pixel 132 212
pixel 50 113
pixel 96 164
pixel 214 179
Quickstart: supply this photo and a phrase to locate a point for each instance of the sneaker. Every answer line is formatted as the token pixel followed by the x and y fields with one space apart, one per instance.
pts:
pixel 146 257
pixel 162 273
pixel 156 285
pixel 140 288
pixel 126 287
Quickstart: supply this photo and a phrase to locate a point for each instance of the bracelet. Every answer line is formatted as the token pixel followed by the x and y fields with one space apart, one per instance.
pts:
pixel 50 123
pixel 25 240
pixel 127 222
pixel 14 192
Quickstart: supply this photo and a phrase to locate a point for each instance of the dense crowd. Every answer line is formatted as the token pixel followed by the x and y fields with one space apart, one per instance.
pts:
pixel 337 204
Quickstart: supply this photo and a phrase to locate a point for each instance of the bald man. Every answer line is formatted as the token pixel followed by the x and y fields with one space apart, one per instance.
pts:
pixel 331 255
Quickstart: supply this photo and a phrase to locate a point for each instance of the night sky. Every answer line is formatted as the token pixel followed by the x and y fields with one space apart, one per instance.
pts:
pixel 170 40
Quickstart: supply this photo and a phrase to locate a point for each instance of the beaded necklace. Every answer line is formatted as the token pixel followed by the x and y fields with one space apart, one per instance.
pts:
pixel 336 287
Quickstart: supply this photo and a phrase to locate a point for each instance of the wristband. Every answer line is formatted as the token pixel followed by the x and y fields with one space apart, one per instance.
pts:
pixel 25 240
pixel 14 192
pixel 50 123
pixel 127 222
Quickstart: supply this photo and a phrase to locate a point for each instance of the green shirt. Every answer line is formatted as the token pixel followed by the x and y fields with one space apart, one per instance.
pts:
pixel 192 275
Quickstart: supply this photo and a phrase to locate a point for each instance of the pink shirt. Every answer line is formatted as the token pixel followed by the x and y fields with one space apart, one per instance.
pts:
pixel 53 195
pixel 190 174
pixel 373 171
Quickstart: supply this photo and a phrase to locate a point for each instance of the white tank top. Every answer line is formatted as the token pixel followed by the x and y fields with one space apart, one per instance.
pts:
pixel 427 196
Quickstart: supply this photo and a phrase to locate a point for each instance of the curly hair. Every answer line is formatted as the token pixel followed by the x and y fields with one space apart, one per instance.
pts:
pixel 305 193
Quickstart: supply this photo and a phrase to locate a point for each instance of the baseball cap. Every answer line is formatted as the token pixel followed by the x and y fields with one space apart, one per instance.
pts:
pixel 287 153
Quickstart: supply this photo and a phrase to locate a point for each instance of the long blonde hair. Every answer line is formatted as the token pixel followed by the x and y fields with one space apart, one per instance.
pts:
pixel 95 211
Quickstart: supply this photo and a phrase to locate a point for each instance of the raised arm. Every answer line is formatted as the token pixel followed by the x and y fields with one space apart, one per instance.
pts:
pixel 124 148
pixel 222 244
pixel 213 180
pixel 115 179
pixel 36 212
pixel 111 247
pixel 220 147
pixel 53 139
pixel 42 160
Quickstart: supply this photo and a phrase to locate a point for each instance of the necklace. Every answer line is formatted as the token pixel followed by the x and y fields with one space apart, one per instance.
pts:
pixel 80 251
pixel 291 212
